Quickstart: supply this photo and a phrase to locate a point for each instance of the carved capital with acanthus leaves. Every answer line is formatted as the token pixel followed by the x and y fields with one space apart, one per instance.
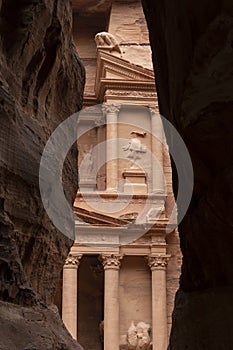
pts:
pixel 111 261
pixel 111 108
pixel 158 262
pixel 72 261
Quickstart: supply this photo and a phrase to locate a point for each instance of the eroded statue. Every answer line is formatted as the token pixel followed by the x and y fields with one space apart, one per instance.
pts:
pixel 135 148
pixel 106 39
pixel 87 164
pixel 138 336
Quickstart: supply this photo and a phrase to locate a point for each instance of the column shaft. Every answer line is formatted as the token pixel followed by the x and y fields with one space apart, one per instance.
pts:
pixel 111 302
pixel 101 176
pixel 159 302
pixel 157 153
pixel 70 295
pixel 111 310
pixel 111 111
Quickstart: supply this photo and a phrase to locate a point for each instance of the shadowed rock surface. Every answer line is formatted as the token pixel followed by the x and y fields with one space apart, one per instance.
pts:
pixel 192 44
pixel 41 84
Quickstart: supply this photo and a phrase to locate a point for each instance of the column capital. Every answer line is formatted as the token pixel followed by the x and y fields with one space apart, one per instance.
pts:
pixel 72 261
pixel 111 261
pixel 100 121
pixel 108 108
pixel 158 262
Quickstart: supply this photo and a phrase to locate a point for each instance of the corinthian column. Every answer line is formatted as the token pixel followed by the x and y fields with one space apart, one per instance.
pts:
pixel 111 111
pixel 157 153
pixel 159 301
pixel 111 263
pixel 70 294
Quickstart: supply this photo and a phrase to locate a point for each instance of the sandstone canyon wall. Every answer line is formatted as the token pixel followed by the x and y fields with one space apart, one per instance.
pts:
pixel 41 84
pixel 192 43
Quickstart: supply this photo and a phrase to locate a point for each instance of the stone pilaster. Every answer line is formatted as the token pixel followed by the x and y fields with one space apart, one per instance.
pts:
pixel 158 266
pixel 157 153
pixel 111 111
pixel 101 174
pixel 70 293
pixel 111 263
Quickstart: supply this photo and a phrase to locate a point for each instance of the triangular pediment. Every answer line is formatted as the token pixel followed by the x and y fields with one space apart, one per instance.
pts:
pixel 109 65
pixel 113 70
pixel 95 218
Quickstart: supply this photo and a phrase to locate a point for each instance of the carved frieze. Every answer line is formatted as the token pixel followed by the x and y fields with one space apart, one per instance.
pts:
pixel 132 93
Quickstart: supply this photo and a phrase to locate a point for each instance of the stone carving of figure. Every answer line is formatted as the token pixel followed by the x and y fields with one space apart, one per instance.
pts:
pixel 106 39
pixel 132 338
pixel 135 148
pixel 87 165
pixel 138 337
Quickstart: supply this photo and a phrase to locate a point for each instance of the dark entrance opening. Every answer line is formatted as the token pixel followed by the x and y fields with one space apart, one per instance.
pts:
pixel 90 302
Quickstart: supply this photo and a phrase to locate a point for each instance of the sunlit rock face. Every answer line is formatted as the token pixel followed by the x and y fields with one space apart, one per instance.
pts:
pixel 41 85
pixel 192 53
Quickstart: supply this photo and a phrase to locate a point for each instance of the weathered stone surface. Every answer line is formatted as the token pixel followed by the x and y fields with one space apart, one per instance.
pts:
pixel 128 25
pixel 41 85
pixel 192 52
pixel 33 328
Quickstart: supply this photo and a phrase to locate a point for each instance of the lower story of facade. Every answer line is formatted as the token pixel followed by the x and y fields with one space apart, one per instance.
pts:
pixel 121 298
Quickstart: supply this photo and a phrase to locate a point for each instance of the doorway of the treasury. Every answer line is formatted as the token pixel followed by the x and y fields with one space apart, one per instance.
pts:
pixel 134 298
pixel 90 302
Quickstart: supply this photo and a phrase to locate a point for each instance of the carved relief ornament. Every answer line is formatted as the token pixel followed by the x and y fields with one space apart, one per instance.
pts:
pixel 158 261
pixel 132 93
pixel 111 108
pixel 73 260
pixel 111 260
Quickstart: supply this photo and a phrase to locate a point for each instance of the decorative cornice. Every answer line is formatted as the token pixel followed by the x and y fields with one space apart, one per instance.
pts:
pixel 158 262
pixel 73 260
pixel 132 93
pixel 110 261
pixel 111 108
pixel 112 84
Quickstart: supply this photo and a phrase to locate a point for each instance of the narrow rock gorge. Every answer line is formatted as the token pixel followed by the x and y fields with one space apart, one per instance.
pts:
pixel 41 84
pixel 192 45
